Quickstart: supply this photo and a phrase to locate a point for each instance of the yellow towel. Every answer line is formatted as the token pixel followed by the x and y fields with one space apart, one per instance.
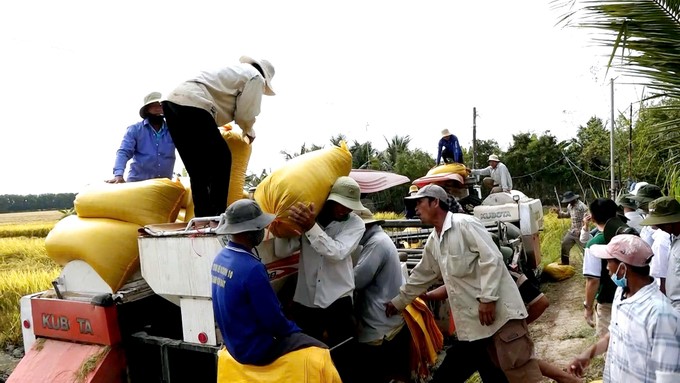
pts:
pixel 307 365
pixel 426 338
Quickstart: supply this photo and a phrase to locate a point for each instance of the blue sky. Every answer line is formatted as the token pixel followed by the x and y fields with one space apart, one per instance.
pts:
pixel 74 74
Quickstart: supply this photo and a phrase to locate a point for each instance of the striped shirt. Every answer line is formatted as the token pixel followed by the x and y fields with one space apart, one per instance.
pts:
pixel 644 344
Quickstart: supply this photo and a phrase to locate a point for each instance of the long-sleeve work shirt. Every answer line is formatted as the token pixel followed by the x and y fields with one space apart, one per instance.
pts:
pixel 152 153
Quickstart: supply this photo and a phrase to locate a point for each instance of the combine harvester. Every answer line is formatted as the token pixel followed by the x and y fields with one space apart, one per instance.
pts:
pixel 159 326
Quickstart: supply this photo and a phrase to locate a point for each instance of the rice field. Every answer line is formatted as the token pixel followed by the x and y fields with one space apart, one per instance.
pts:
pixel 24 265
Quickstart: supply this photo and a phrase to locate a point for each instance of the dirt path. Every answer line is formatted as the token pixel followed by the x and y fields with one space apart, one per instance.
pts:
pixel 561 332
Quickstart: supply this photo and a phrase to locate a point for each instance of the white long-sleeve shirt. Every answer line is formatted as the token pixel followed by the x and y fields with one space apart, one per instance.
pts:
pixel 500 175
pixel 673 274
pixel 229 94
pixel 471 266
pixel 326 272
pixel 661 246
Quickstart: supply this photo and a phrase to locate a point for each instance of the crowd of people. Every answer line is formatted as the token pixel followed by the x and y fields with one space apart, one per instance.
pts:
pixel 351 288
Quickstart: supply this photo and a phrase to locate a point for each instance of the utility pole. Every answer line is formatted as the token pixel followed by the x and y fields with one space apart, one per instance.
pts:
pixel 611 147
pixel 630 143
pixel 474 137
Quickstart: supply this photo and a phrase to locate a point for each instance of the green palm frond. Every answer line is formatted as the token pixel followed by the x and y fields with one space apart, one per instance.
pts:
pixel 646 34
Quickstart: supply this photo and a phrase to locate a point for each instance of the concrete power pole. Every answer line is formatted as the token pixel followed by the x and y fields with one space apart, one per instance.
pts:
pixel 474 137
pixel 611 148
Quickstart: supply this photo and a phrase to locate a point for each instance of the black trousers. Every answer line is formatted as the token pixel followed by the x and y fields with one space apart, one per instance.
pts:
pixel 205 155
pixel 332 325
pixel 463 359
pixel 381 364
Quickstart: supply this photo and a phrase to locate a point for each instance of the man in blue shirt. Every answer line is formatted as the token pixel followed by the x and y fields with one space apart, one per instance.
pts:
pixel 247 311
pixel 148 144
pixel 449 149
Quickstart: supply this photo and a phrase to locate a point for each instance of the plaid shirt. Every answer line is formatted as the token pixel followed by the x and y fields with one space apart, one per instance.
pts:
pixel 576 212
pixel 644 344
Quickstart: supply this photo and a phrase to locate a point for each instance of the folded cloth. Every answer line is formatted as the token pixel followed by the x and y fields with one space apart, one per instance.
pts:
pixel 426 338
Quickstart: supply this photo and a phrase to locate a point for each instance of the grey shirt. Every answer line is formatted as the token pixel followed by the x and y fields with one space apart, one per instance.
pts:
pixel 377 279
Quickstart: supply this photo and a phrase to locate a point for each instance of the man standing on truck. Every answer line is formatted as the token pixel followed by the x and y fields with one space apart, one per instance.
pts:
pixel 497 178
pixel 576 210
pixel 322 304
pixel 486 305
pixel 148 144
pixel 449 149
pixel 196 108
pixel 247 311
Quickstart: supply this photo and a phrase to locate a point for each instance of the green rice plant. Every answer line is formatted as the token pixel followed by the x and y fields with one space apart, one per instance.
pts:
pixel 551 237
pixel 24 253
pixel 13 285
pixel 34 229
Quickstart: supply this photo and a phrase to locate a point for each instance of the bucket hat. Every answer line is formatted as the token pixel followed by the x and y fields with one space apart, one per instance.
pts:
pixel 629 249
pixel 242 216
pixel 493 157
pixel 569 196
pixel 148 100
pixel 413 189
pixel 347 193
pixel 647 194
pixel 268 70
pixel 446 133
pixel 368 217
pixel 662 210
pixel 625 201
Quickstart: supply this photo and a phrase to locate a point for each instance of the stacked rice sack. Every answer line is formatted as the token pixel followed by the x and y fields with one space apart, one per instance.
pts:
pixel 449 168
pixel 104 232
pixel 306 178
pixel 240 156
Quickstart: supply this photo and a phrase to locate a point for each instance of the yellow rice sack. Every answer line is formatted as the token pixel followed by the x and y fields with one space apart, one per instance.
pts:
pixel 145 202
pixel 240 155
pixel 108 246
pixel 186 211
pixel 449 168
pixel 559 272
pixel 306 178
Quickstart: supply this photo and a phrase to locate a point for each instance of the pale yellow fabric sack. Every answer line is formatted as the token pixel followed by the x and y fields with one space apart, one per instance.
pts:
pixel 240 155
pixel 145 202
pixel 108 246
pixel 306 178
pixel 559 272
pixel 307 365
pixel 186 211
pixel 449 168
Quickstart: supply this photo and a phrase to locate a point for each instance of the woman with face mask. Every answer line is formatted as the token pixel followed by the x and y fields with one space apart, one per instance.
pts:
pixel 643 344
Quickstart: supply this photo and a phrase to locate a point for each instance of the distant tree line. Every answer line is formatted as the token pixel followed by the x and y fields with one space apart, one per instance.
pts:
pixel 14 203
pixel 645 149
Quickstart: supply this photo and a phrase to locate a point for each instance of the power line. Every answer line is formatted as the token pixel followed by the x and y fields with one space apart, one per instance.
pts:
pixel 538 171
pixel 583 171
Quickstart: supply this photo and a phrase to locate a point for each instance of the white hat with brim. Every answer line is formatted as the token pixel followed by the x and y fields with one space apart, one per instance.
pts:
pixel 268 70
pixel 494 157
pixel 242 216
pixel 150 98
pixel 446 133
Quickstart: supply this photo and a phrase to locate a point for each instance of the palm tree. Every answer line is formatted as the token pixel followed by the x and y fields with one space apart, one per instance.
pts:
pixel 253 179
pixel 645 32
pixel 303 150
pixel 363 155
pixel 395 147
pixel 335 140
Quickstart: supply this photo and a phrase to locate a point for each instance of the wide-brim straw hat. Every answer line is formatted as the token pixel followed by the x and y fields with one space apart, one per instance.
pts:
pixel 569 196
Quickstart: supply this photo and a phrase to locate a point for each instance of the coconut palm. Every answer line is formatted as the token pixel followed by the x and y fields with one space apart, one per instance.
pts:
pixel 395 146
pixel 646 34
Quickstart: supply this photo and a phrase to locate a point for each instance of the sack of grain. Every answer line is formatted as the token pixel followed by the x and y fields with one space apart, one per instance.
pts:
pixel 559 272
pixel 306 178
pixel 107 245
pixel 145 202
pixel 449 168
pixel 240 155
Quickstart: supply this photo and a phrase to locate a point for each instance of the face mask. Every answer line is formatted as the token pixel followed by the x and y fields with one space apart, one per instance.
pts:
pixel 156 119
pixel 621 282
pixel 256 237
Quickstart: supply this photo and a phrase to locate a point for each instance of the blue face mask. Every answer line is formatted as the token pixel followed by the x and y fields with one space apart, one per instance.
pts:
pixel 621 282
